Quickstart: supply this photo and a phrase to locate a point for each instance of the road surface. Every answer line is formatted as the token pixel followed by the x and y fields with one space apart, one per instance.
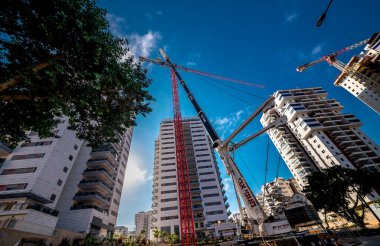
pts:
pixel 371 241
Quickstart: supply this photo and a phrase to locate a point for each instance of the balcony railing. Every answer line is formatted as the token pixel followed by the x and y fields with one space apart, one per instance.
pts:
pixel 98 181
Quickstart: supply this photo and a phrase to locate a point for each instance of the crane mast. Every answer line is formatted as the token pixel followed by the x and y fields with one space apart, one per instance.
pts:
pixel 184 194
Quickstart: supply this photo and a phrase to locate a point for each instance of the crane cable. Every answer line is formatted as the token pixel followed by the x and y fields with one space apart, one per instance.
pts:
pixel 228 93
pixel 266 169
pixel 234 88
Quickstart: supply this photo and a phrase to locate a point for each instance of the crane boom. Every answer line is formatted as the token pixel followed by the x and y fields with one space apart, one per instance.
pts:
pixel 330 56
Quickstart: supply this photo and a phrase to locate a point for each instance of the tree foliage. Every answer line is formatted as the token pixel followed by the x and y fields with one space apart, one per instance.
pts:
pixel 59 58
pixel 341 190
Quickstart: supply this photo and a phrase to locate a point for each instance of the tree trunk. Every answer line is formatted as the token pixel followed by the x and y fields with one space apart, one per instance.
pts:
pixel 14 81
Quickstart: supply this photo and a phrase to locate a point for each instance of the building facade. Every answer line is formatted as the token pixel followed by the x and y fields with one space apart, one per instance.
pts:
pixel 121 231
pixel 361 76
pixel 208 196
pixel 41 183
pixel 91 198
pixel 277 194
pixel 143 223
pixel 319 135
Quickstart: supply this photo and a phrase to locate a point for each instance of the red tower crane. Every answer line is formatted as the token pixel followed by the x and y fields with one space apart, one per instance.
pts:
pixel 185 205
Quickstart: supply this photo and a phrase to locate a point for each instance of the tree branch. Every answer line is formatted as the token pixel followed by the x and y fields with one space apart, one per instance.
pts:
pixel 19 97
pixel 14 81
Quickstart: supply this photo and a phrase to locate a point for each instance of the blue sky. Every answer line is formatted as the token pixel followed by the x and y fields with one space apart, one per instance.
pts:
pixel 257 41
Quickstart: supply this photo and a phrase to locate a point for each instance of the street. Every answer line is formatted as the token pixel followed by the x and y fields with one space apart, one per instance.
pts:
pixel 371 241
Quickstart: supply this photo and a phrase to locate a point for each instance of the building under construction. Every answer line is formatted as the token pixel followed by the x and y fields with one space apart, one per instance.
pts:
pixel 362 74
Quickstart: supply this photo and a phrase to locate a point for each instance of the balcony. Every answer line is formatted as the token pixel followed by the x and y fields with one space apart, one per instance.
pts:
pixel 102 163
pixel 95 185
pixel 99 174
pixel 94 198
pixel 199 218
pixel 108 151
pixel 76 207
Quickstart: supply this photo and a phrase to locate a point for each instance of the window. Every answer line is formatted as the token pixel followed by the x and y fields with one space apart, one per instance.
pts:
pixel 13 187
pixel 167 164
pixel 75 147
pixel 31 144
pixel 118 191
pixel 209 187
pixel 70 157
pixel 169 217
pixel 52 197
pixel 169 208
pixel 207 180
pixel 168 191
pixel 59 182
pixel 210 195
pixel 119 181
pixel 167 170
pixel 206 173
pixel 19 170
pixel 65 169
pixel 214 212
pixel 168 177
pixel 169 199
pixel 28 156
pixel 113 213
pixel 168 158
pixel 212 203
pixel 200 155
pixel 169 184
pixel 208 166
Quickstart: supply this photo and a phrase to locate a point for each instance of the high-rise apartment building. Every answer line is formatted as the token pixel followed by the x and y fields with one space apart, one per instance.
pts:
pixel 91 198
pixel 361 76
pixel 208 196
pixel 62 183
pixel 319 135
pixel 143 222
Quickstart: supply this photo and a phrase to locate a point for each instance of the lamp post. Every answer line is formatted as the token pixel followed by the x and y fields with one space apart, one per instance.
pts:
pixel 323 16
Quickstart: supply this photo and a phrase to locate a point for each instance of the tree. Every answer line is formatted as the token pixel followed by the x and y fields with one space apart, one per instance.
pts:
pixel 341 190
pixel 59 58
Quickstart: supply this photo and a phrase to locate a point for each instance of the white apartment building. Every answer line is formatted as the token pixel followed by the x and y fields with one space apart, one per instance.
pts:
pixel 208 196
pixel 37 188
pixel 362 75
pixel 143 222
pixel 319 135
pixel 91 198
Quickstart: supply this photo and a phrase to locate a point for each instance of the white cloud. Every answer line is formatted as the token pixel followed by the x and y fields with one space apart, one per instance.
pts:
pixel 159 12
pixel 139 45
pixel 291 17
pixel 317 49
pixel 142 45
pixel 193 58
pixel 191 63
pixel 135 175
pixel 227 183
pixel 225 125
pixel 116 23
